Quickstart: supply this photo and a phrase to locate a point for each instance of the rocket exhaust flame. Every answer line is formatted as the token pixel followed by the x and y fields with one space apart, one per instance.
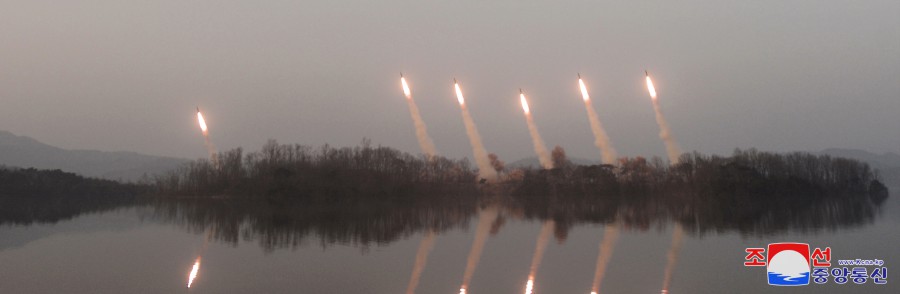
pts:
pixel 539 148
pixel 485 217
pixel 405 87
pixel 459 95
pixel 202 122
pixel 672 149
pixel 421 258
pixel 610 236
pixel 672 256
pixel 193 274
pixel 601 140
pixel 485 170
pixel 421 130
pixel 210 148
pixel 540 247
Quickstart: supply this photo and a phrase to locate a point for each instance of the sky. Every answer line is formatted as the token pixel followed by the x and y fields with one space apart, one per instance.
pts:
pixel 775 75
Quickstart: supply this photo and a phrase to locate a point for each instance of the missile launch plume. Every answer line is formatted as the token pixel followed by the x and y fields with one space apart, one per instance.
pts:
pixel 540 247
pixel 539 148
pixel 610 236
pixel 485 170
pixel 672 149
pixel 607 152
pixel 421 258
pixel 210 148
pixel 672 256
pixel 421 131
pixel 485 218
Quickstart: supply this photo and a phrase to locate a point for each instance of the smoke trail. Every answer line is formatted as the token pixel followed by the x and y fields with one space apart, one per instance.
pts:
pixel 666 135
pixel 485 218
pixel 539 249
pixel 211 148
pixel 539 148
pixel 672 255
pixel 610 236
pixel 421 131
pixel 607 152
pixel 485 170
pixel 421 258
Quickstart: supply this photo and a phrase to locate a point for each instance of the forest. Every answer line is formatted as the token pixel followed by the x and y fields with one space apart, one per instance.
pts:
pixel 30 195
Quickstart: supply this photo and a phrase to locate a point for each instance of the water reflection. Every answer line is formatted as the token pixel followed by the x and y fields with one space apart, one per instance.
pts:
pixel 610 236
pixel 421 258
pixel 672 256
pixel 540 247
pixel 486 217
pixel 276 226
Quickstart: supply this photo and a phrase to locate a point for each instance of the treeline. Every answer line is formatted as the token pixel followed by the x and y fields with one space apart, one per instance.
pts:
pixel 31 182
pixel 281 172
pixel 31 195
pixel 745 172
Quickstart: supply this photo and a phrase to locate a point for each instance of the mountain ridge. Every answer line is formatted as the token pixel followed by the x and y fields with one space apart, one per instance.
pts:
pixel 126 166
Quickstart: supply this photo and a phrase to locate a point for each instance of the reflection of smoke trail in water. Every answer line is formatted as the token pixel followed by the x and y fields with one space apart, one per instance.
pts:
pixel 485 170
pixel 485 218
pixel 610 236
pixel 421 131
pixel 421 258
pixel 677 236
pixel 195 269
pixel 664 133
pixel 608 153
pixel 539 249
pixel 539 148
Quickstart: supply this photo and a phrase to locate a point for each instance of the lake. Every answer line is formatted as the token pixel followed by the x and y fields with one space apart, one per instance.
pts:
pixel 485 246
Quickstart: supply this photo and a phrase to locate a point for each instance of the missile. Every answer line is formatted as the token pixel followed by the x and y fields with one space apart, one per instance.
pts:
pixel 646 73
pixel 454 81
pixel 520 91
pixel 401 74
pixel 579 76
pixel 198 108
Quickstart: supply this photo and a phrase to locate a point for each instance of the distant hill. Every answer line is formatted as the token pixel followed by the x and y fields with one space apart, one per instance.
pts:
pixel 887 164
pixel 21 151
pixel 533 162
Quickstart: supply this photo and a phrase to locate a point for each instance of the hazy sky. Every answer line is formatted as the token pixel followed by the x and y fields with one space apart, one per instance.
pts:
pixel 126 75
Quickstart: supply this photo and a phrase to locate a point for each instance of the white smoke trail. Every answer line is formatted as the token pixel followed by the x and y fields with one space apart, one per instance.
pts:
pixel 540 247
pixel 610 236
pixel 672 256
pixel 485 218
pixel 666 135
pixel 539 148
pixel 211 148
pixel 607 152
pixel 421 258
pixel 485 170
pixel 421 131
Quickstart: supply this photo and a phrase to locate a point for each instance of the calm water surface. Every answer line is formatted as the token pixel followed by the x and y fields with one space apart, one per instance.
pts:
pixel 151 248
